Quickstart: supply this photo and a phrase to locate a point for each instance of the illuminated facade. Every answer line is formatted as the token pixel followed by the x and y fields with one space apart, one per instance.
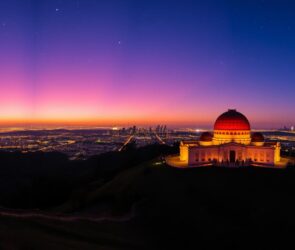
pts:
pixel 231 143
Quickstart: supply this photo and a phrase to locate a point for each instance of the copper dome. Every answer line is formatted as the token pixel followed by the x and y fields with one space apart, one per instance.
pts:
pixel 257 137
pixel 232 120
pixel 206 136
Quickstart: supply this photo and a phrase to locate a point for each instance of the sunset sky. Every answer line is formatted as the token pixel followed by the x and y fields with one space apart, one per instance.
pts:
pixel 107 62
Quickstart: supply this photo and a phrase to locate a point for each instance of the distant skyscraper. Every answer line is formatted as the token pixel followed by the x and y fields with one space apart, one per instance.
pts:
pixel 134 130
pixel 165 129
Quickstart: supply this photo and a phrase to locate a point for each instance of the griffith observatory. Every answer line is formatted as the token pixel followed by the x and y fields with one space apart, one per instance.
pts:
pixel 231 143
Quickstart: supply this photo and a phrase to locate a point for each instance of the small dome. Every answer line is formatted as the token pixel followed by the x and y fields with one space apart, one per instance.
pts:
pixel 232 120
pixel 257 137
pixel 206 136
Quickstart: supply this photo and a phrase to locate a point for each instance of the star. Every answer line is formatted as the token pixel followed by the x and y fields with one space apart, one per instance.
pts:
pixel 56 9
pixel 119 42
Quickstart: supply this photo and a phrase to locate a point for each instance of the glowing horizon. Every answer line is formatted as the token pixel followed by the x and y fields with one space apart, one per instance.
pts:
pixel 129 121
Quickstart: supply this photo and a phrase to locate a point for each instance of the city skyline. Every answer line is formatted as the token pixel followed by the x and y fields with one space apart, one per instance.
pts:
pixel 97 63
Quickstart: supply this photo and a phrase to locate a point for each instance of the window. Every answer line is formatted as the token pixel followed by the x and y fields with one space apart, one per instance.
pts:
pixel 261 156
pixel 203 156
pixel 197 156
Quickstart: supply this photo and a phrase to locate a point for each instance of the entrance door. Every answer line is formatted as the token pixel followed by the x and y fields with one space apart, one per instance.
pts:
pixel 232 156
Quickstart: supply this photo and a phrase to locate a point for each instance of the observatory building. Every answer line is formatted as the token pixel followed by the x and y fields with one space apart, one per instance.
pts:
pixel 231 143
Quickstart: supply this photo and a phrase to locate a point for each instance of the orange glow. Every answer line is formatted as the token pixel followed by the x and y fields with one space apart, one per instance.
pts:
pixel 101 121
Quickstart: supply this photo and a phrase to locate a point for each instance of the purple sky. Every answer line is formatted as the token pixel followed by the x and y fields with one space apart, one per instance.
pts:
pixel 146 62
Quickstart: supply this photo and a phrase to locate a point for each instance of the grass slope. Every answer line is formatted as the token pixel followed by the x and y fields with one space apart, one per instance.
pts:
pixel 197 208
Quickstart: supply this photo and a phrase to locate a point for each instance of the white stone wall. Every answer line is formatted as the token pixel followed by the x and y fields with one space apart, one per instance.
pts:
pixel 199 154
pixel 184 151
pixel 261 154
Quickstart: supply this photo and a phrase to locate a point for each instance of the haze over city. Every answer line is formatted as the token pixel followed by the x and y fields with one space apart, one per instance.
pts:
pixel 106 63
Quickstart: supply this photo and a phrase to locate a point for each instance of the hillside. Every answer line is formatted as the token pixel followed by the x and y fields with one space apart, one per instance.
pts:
pixel 166 208
pixel 176 205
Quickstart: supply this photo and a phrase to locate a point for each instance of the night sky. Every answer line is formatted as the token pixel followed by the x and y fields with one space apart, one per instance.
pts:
pixel 107 62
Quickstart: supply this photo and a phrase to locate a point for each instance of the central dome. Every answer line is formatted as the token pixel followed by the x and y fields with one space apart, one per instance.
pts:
pixel 232 120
